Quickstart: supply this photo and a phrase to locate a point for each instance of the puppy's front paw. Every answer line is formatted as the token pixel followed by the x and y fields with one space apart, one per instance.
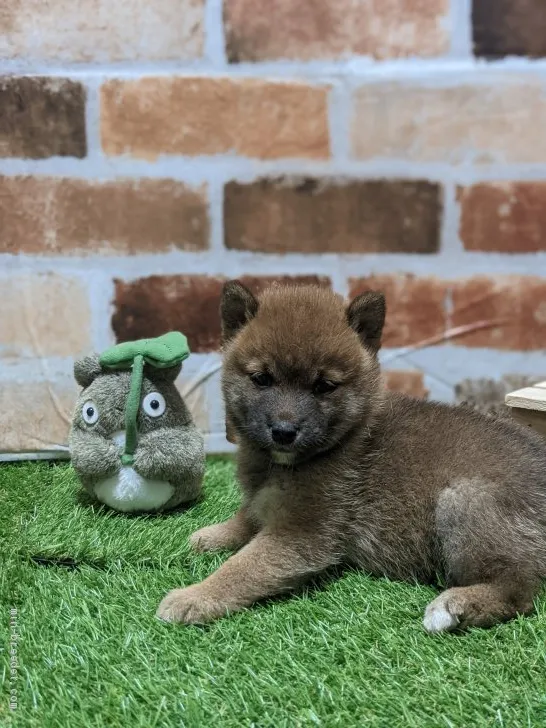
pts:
pixel 190 606
pixel 210 538
pixel 443 614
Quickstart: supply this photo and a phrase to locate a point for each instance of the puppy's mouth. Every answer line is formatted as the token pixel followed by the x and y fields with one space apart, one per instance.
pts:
pixel 283 457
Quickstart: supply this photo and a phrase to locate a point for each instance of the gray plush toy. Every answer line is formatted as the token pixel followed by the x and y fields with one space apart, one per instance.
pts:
pixel 132 442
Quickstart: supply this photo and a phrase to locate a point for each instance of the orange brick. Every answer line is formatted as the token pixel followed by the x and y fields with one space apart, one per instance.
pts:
pixel 508 217
pixel 123 217
pixel 407 382
pixel 500 122
pixel 258 30
pixel 310 215
pixel 101 30
pixel 43 315
pixel 35 416
pixel 514 305
pixel 519 301
pixel 415 306
pixel 152 116
pixel 150 306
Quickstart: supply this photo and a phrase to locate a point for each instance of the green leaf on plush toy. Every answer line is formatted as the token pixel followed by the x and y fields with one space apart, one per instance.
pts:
pixel 162 352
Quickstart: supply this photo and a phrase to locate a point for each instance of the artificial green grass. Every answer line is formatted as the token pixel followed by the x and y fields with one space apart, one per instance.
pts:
pixel 347 652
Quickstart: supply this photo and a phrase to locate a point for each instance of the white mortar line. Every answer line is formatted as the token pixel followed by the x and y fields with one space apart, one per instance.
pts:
pixel 448 265
pixel 454 363
pixel 101 295
pixel 216 218
pixel 340 283
pixel 62 367
pixel 215 405
pixel 34 369
pixel 437 390
pixel 359 67
pixel 216 444
pixel 215 52
pixel 460 18
pixel 449 235
pixel 92 121
pixel 224 167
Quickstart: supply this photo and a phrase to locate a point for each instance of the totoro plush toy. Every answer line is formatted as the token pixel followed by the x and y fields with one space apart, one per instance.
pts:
pixel 133 442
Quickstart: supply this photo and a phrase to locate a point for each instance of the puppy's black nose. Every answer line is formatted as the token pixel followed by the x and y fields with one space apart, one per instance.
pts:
pixel 284 433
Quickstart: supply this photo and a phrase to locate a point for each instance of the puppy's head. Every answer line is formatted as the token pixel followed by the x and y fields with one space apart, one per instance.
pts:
pixel 300 369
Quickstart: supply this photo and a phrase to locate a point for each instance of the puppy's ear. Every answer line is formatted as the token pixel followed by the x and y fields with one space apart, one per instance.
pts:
pixel 86 370
pixel 366 316
pixel 238 306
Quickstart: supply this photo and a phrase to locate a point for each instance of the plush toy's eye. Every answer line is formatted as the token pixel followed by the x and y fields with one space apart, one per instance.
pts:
pixel 90 413
pixel 154 404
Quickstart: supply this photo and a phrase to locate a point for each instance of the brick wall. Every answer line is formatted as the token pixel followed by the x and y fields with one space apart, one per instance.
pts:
pixel 150 150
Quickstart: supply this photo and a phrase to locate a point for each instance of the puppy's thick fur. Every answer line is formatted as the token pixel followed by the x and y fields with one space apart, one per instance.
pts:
pixel 335 469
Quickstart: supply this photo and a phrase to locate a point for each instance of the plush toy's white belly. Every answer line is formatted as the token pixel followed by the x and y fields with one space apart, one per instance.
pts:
pixel 129 491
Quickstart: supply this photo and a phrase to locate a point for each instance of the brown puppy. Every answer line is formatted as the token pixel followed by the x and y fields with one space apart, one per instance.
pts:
pixel 334 469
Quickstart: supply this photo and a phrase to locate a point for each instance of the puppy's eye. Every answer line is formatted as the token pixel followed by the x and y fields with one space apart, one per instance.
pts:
pixel 262 379
pixel 323 386
pixel 90 413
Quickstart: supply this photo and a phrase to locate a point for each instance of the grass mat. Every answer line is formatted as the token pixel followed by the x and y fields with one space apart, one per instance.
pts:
pixel 349 652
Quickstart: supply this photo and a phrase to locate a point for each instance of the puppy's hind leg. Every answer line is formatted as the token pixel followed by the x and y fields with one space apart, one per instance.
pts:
pixel 479 605
pixel 490 558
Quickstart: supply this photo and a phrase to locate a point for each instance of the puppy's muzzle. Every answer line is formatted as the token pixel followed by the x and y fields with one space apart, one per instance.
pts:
pixel 284 433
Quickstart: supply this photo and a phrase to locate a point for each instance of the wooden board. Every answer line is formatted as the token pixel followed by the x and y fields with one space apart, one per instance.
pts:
pixel 528 418
pixel 529 398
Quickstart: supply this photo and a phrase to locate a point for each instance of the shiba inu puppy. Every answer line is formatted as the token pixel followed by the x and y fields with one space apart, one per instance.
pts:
pixel 334 469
